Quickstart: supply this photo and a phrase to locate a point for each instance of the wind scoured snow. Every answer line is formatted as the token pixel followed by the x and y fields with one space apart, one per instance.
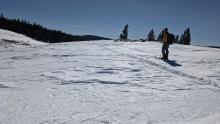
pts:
pixel 106 82
pixel 9 38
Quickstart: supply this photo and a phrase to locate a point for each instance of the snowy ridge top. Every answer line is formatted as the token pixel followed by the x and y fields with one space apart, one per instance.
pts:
pixel 10 38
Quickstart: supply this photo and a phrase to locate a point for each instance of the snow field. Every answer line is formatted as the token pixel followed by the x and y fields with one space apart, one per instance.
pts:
pixel 106 82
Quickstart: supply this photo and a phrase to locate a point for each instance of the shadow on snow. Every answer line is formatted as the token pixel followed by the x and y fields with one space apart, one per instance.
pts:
pixel 172 63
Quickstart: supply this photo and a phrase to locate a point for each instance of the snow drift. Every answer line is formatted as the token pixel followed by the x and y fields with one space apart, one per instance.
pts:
pixel 9 38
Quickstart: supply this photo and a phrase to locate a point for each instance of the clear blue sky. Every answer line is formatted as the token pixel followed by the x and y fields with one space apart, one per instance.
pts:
pixel 108 17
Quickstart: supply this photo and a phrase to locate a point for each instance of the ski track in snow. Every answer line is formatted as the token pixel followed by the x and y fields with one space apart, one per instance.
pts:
pixel 105 82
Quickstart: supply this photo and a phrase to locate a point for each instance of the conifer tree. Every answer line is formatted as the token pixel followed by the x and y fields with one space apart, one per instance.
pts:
pixel 151 36
pixel 176 39
pixel 187 37
pixel 124 35
pixel 181 41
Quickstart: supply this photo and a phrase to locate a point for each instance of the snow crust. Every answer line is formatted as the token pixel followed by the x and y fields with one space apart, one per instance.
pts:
pixel 106 82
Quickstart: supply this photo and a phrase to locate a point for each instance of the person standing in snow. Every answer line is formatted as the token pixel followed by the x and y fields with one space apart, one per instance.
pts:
pixel 165 47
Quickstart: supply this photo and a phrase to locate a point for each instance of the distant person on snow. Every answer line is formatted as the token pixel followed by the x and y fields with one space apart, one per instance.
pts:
pixel 165 46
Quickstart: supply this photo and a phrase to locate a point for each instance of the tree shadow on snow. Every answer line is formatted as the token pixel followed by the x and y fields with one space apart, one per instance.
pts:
pixel 172 63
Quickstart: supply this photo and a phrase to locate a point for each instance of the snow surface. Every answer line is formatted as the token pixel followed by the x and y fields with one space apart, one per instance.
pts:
pixel 9 38
pixel 106 82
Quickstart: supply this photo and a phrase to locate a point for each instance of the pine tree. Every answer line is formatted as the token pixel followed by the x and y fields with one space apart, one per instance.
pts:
pixel 151 36
pixel 181 41
pixel 176 39
pixel 124 35
pixel 187 37
pixel 121 37
pixel 160 37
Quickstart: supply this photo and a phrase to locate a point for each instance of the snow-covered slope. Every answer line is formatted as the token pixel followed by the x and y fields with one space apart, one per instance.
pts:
pixel 9 38
pixel 106 82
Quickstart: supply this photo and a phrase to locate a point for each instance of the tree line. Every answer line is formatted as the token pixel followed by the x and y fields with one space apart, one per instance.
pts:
pixel 40 33
pixel 184 39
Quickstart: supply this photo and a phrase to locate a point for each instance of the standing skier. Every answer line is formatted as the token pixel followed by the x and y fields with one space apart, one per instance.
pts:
pixel 165 46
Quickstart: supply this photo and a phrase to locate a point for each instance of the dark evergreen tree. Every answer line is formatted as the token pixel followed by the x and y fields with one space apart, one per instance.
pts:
pixel 151 36
pixel 159 37
pixel 121 37
pixel 187 37
pixel 125 31
pixel 124 35
pixel 181 41
pixel 176 39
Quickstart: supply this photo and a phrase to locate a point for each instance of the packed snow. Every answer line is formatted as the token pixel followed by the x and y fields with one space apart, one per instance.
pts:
pixel 107 82
pixel 9 39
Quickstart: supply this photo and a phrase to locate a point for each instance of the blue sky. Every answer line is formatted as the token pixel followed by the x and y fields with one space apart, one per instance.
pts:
pixel 108 17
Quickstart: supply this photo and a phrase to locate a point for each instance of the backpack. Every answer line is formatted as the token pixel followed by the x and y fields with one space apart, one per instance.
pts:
pixel 171 38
